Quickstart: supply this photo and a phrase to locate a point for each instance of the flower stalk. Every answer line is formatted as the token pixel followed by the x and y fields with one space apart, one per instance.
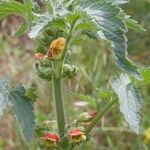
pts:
pixel 95 121
pixel 59 106
pixel 58 66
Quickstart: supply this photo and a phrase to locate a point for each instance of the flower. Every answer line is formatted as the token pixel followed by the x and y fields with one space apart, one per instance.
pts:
pixel 56 48
pixel 39 56
pixel 86 117
pixel 147 134
pixel 51 139
pixel 76 136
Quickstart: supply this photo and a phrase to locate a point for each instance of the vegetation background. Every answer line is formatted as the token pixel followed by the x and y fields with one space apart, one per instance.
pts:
pixel 17 60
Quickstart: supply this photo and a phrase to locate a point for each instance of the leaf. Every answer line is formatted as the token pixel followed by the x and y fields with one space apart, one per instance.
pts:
pixel 31 92
pixel 3 95
pixel 105 94
pixel 106 16
pixel 86 98
pixel 129 100
pixel 133 24
pixel 22 29
pixel 146 75
pixel 120 1
pixel 11 7
pixel 23 110
pixel 28 7
pixel 45 18
pixel 41 22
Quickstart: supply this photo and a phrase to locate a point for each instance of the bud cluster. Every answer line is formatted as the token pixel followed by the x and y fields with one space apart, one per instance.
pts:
pixel 69 71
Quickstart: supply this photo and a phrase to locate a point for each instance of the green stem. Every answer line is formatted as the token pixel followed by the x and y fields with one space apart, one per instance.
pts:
pixel 95 121
pixel 59 106
pixel 58 66
pixel 68 40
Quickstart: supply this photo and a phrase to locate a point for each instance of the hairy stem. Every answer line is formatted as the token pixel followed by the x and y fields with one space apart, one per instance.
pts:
pixel 95 121
pixel 59 106
pixel 58 66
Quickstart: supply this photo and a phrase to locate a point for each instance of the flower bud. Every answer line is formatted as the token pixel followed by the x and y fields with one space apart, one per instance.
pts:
pixel 86 117
pixel 47 122
pixel 76 136
pixel 51 139
pixel 56 48
pixel 39 56
pixel 69 71
pixel 85 124
pixel 45 73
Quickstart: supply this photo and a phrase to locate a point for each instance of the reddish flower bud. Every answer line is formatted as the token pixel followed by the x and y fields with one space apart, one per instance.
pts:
pixel 76 136
pixel 86 117
pixel 56 48
pixel 51 139
pixel 47 122
pixel 85 124
pixel 39 56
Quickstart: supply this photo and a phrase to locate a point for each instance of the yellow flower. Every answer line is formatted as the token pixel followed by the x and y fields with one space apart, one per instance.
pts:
pixel 147 134
pixel 56 48
pixel 76 136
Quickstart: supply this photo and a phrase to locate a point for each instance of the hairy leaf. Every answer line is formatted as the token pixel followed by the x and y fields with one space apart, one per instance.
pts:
pixel 23 110
pixel 11 7
pixel 120 1
pixel 86 98
pixel 106 16
pixel 28 7
pixel 133 24
pixel 45 18
pixel 3 95
pixel 129 100
pixel 21 30
pixel 146 75
pixel 41 22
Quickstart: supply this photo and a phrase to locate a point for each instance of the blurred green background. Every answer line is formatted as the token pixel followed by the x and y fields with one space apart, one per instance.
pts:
pixel 96 67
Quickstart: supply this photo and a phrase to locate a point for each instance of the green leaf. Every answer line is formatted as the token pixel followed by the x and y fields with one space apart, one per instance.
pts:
pixel 22 29
pixel 133 24
pixel 44 19
pixel 11 7
pixel 86 98
pixel 31 93
pixel 49 6
pixel 129 100
pixel 23 110
pixel 120 1
pixel 104 94
pixel 106 16
pixel 3 95
pixel 41 22
pixel 146 75
pixel 28 7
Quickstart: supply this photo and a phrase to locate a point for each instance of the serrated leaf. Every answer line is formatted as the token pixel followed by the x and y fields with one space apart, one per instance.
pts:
pixel 104 94
pixel 41 22
pixel 3 95
pixel 120 1
pixel 28 7
pixel 106 16
pixel 129 100
pixel 146 75
pixel 133 24
pixel 45 18
pixel 11 7
pixel 86 98
pixel 22 108
pixel 21 30
pixel 31 93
